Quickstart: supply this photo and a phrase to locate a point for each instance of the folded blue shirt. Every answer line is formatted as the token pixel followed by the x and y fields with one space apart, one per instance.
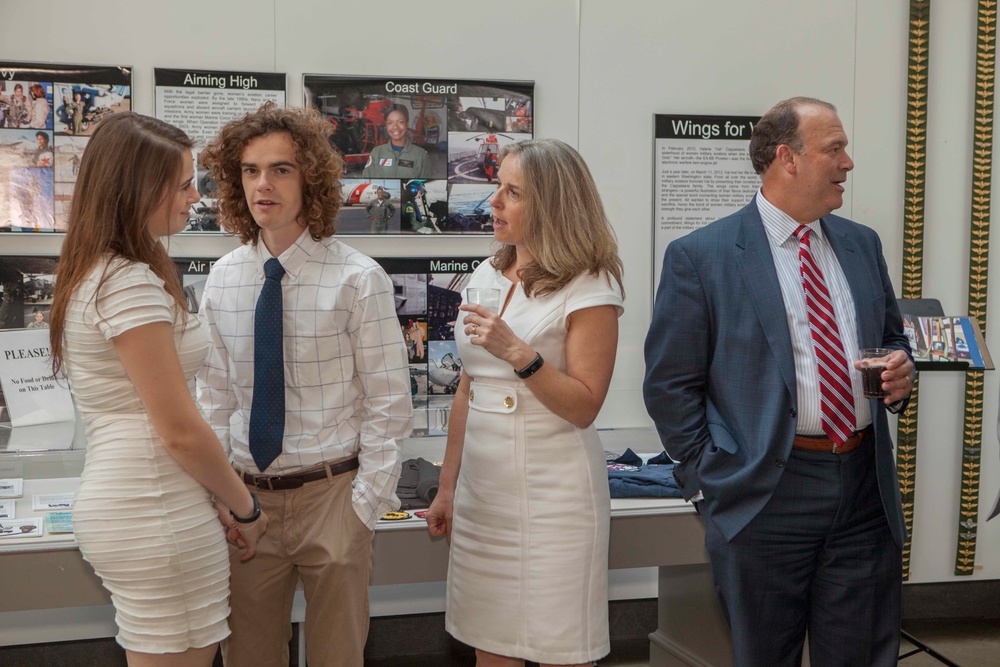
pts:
pixel 654 479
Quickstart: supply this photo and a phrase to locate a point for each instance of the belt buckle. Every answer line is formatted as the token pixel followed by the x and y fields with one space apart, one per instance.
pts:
pixel 836 448
pixel 269 479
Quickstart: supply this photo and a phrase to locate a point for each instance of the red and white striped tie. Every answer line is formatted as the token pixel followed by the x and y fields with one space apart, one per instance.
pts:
pixel 836 395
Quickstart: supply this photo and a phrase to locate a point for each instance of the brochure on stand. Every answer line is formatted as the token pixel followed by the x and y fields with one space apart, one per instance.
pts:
pixel 947 343
pixel 31 393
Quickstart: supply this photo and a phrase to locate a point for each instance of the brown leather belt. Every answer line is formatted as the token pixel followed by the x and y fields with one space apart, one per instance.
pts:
pixel 824 444
pixel 286 482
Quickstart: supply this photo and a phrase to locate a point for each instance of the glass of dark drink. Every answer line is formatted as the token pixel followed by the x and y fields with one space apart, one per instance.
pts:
pixel 873 360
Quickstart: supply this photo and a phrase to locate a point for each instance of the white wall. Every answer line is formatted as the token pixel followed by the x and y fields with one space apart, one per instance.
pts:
pixel 601 71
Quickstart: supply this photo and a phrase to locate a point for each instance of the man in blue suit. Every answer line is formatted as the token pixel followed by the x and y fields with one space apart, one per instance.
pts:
pixel 804 529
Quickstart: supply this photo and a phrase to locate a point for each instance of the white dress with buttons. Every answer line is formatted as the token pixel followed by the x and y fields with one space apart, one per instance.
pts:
pixel 527 576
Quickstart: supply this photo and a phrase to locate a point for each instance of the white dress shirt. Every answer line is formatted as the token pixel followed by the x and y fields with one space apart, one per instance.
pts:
pixel 784 244
pixel 347 382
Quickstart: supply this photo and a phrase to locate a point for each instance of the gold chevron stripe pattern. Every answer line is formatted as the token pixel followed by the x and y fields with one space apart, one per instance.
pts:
pixel 982 168
pixel 913 239
pixel 906 464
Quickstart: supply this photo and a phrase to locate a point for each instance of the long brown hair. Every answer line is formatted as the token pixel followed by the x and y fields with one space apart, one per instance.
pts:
pixel 565 226
pixel 320 165
pixel 127 168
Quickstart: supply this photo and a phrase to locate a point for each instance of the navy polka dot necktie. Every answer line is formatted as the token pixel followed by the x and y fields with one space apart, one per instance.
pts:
pixel 267 411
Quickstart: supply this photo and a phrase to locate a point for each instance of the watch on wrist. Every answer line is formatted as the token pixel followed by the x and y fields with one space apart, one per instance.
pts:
pixel 531 368
pixel 254 515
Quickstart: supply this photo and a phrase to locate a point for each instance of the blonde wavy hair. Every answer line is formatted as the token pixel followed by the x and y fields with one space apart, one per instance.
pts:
pixel 564 224
pixel 320 164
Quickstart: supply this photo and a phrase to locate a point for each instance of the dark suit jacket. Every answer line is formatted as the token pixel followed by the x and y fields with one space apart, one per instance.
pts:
pixel 720 376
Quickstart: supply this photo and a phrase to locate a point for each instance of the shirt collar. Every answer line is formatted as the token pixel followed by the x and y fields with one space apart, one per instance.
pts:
pixel 294 257
pixel 780 226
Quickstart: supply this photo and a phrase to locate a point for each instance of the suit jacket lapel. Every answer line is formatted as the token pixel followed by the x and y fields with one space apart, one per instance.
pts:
pixel 753 255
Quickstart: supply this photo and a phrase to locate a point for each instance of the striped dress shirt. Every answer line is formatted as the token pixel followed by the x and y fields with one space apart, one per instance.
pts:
pixel 784 244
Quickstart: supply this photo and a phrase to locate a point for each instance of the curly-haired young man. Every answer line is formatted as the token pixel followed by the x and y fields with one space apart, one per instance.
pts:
pixel 307 386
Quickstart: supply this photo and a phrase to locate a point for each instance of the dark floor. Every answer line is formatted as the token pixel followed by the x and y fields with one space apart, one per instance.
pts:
pixel 966 642
pixel 935 614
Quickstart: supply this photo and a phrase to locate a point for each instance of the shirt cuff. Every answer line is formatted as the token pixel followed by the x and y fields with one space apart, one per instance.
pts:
pixel 371 508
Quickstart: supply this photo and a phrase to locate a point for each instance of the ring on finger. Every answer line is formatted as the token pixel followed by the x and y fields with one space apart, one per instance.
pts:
pixel 474 328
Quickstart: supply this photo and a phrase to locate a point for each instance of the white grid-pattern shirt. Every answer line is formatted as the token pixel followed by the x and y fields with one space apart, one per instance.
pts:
pixel 784 244
pixel 347 382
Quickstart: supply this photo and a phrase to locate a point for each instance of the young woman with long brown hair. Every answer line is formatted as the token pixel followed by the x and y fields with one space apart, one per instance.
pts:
pixel 120 329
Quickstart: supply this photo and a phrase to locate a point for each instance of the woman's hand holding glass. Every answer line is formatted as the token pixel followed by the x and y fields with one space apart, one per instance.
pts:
pixel 488 331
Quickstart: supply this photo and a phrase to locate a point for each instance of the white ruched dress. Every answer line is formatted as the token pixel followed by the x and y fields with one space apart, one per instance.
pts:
pixel 527 576
pixel 146 526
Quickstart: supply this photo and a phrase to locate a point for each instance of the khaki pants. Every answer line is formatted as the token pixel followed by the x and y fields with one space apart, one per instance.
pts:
pixel 313 534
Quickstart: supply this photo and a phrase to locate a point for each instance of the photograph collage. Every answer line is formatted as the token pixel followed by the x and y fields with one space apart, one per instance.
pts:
pixel 421 156
pixel 47 114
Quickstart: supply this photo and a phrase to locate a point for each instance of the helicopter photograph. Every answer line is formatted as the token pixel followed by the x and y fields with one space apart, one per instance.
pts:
pixel 475 157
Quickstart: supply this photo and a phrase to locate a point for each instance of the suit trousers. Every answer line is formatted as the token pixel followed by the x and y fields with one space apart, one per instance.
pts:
pixel 818 557
pixel 313 534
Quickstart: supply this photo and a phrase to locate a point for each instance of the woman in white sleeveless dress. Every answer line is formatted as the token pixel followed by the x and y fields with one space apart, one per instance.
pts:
pixel 144 515
pixel 523 492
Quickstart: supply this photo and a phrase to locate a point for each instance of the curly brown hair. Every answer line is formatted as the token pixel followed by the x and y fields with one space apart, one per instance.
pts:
pixel 321 167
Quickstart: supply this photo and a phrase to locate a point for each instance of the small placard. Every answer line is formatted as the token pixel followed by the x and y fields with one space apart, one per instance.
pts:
pixel 11 488
pixel 48 502
pixel 20 528
pixel 7 509
pixel 31 393
pixel 59 522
